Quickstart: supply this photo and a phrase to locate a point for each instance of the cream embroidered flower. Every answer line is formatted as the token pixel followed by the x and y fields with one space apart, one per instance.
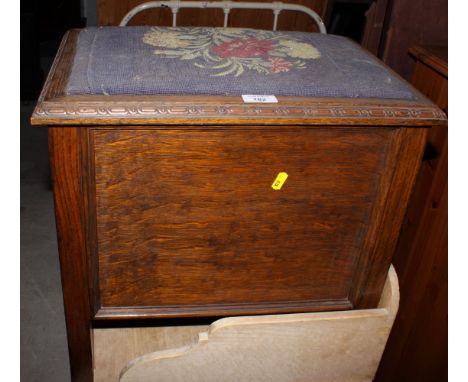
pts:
pixel 165 39
pixel 300 49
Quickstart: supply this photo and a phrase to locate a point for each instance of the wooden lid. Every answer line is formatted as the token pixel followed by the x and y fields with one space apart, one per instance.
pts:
pixel 65 99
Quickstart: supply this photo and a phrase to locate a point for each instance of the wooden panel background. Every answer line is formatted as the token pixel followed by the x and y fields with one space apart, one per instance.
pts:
pixel 111 12
pixel 410 23
pixel 417 348
pixel 161 231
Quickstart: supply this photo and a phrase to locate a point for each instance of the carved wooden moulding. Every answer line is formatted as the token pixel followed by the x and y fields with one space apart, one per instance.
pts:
pixel 168 202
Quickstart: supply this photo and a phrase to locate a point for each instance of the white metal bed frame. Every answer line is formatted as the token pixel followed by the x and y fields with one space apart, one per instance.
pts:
pixel 226 6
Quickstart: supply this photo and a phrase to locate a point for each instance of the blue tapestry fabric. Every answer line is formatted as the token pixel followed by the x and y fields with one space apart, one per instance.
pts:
pixel 227 61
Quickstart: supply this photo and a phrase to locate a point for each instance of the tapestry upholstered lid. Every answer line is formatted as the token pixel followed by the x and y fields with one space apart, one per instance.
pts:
pixel 227 61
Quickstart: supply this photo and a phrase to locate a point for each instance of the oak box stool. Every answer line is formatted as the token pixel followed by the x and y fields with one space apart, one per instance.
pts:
pixel 212 172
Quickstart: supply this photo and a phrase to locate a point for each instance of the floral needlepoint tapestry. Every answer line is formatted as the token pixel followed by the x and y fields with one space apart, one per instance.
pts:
pixel 232 51
pixel 226 61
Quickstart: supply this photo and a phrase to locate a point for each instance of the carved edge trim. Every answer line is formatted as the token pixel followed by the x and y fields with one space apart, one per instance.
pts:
pixel 162 111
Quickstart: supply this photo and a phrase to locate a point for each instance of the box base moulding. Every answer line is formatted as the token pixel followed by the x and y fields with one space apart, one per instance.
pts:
pixel 325 346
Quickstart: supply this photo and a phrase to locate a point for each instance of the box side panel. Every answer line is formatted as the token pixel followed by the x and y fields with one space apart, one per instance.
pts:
pixel 190 218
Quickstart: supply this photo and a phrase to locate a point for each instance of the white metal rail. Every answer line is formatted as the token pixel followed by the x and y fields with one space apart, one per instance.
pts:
pixel 226 6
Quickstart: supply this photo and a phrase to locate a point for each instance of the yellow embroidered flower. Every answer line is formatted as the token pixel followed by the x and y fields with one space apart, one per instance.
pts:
pixel 235 31
pixel 165 39
pixel 300 49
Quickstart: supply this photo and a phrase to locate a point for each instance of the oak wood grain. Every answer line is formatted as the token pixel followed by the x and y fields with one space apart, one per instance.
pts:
pixel 390 208
pixel 65 152
pixel 89 206
pixel 187 221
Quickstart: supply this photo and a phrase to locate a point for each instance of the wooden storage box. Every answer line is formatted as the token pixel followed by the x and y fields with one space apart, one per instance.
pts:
pixel 163 175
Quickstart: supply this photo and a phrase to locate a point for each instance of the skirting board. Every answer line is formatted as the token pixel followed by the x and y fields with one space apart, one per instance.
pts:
pixel 319 347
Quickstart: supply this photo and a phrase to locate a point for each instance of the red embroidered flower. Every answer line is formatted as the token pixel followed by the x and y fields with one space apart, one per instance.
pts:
pixel 279 65
pixel 243 47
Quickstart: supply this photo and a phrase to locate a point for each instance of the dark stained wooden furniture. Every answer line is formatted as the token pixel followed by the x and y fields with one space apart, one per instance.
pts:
pixel 374 28
pixel 417 349
pixel 164 204
pixel 408 23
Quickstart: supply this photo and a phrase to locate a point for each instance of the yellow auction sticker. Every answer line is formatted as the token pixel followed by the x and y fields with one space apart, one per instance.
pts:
pixel 279 181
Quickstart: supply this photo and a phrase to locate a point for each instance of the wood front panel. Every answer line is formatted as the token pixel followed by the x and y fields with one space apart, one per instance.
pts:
pixel 189 217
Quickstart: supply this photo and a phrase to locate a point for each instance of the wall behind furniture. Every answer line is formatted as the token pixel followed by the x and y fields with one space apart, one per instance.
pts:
pixel 43 25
